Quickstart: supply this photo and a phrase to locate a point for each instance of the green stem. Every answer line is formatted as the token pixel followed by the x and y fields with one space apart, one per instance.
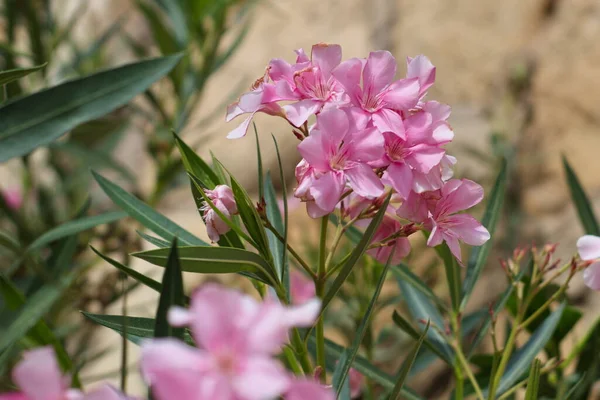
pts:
pixel 465 364
pixel 320 289
pixel 293 252
pixel 506 353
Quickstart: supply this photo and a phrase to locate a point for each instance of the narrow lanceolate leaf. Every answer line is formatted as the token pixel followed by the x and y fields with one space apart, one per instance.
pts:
pixel 212 260
pixel 274 216
pixel 14 74
pixel 533 383
pixel 581 201
pixel 139 277
pixel 406 366
pixel 421 308
pixel 355 256
pixel 171 295
pixel 34 309
pixel 40 332
pixel 402 272
pixel 333 353
pixel 153 240
pixel 341 372
pixel 196 166
pixel 43 117
pixel 407 327
pixel 285 272
pixel 521 360
pixel 452 274
pixel 145 214
pixel 76 226
pixel 480 254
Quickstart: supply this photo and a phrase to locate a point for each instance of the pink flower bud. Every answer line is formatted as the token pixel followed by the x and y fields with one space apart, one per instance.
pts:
pixel 222 198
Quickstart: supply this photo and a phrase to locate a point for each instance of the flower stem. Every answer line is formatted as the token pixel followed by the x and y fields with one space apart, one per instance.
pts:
pixel 320 289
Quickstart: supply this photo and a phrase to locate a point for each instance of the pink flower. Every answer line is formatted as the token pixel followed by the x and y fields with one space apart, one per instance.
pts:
pixel 588 247
pixel 421 68
pixel 400 246
pixel 356 381
pixel 13 198
pixel 237 337
pixel 302 289
pixel 380 97
pixel 337 152
pixel 311 83
pixel 456 195
pixel 39 378
pixel 222 197
pixel 304 389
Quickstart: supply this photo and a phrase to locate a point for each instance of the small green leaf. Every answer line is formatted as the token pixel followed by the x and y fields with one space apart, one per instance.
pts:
pixel 261 185
pixel 14 74
pixel 490 219
pixel 72 227
pixel 196 166
pixel 356 254
pixel 139 277
pixel 153 240
pixel 283 229
pixel 406 366
pixel 274 216
pixel 581 201
pixel 452 274
pixel 40 118
pixel 212 260
pixel 533 383
pixel 422 309
pixel 341 371
pixel 145 214
pixel 522 358
pixel 171 295
pixel 402 272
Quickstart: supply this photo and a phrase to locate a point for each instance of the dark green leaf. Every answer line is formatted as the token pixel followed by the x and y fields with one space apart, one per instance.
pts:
pixel 261 185
pixel 452 274
pixel 581 201
pixel 153 240
pixel 283 228
pixel 274 216
pixel 145 214
pixel 14 74
pixel 341 371
pixel 402 272
pixel 480 254
pixel 40 118
pixel 73 227
pixel 522 358
pixel 171 295
pixel 196 166
pixel 407 365
pixel 139 277
pixel 212 260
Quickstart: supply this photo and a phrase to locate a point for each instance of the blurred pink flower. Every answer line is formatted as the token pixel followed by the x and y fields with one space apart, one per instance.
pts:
pixel 13 198
pixel 304 389
pixel 400 246
pixel 356 381
pixel 588 247
pixel 222 197
pixel 380 97
pixel 237 337
pixel 302 289
pixel 38 376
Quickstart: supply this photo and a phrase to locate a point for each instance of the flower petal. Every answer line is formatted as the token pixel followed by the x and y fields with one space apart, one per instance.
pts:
pixel 379 71
pixel 314 150
pixel 389 121
pixel 297 113
pixel 327 190
pixel 262 378
pixel 326 57
pixel 303 389
pixel 364 181
pixel 403 94
pixel 38 375
pixel 400 177
pixel 591 276
pixel 588 247
pixel 420 67
pixel 460 195
pixel 468 229
pixel 348 75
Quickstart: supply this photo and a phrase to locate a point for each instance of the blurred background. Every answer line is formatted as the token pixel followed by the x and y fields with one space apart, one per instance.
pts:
pixel 522 77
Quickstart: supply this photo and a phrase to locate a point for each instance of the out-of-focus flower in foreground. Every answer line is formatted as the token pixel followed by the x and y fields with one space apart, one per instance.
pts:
pixel 589 250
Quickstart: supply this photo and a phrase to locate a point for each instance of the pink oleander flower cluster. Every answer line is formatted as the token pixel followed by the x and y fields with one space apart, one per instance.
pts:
pixel 238 339
pixel 372 133
pixel 38 377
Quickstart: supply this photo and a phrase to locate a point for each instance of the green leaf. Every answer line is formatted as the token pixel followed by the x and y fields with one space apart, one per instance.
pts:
pixel 177 19
pixel 34 309
pixel 522 358
pixel 586 352
pixel 171 295
pixel 356 254
pixel 40 118
pixel 138 328
pixel 533 383
pixel 452 274
pixel 196 166
pixel 145 214
pixel 274 216
pixel 212 260
pixel 139 277
pixel 422 309
pixel 490 218
pixel 406 366
pixel 8 242
pixel 406 326
pixel 402 272
pixel 272 212
pixel 261 186
pixel 153 240
pixel 334 351
pixel 72 227
pixel 14 74
pixel 341 371
pixel 581 201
